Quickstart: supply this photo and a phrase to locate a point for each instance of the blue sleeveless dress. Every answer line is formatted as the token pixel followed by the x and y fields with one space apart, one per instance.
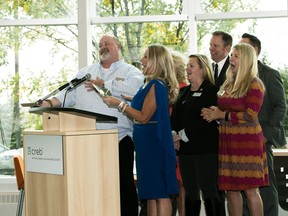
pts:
pixel 155 154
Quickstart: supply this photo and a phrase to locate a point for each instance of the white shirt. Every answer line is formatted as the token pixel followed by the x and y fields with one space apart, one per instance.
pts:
pixel 220 65
pixel 120 78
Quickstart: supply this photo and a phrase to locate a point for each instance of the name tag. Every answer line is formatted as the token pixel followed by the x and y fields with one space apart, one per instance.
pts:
pixel 119 79
pixel 197 94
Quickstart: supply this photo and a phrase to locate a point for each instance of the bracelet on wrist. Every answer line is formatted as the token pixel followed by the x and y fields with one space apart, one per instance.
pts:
pixel 124 107
pixel 226 116
pixel 49 102
pixel 120 106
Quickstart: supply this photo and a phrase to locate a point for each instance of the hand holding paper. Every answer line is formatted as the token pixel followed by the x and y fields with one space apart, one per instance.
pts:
pixel 102 91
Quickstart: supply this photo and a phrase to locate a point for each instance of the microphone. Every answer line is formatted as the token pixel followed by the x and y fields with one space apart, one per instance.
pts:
pixel 69 86
pixel 66 85
pixel 75 82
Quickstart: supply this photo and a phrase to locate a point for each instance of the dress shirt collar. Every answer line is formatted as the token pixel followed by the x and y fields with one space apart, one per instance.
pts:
pixel 115 64
pixel 220 64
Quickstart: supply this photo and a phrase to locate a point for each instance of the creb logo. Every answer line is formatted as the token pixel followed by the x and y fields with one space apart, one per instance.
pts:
pixel 34 151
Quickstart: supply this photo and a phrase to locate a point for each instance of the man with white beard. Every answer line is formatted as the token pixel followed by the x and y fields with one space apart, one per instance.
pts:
pixel 120 78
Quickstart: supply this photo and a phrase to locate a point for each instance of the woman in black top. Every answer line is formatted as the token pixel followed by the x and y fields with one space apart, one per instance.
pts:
pixel 196 139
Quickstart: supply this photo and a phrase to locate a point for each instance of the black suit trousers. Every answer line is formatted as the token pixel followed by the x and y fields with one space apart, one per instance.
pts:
pixel 128 194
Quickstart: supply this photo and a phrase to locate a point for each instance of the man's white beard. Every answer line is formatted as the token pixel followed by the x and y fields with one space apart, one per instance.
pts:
pixel 104 56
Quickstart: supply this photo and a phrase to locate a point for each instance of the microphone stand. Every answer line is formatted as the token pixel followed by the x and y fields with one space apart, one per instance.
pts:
pixel 38 102
pixel 68 86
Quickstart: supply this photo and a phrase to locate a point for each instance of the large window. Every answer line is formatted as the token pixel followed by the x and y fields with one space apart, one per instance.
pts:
pixel 137 8
pixel 242 6
pixel 44 43
pixel 40 9
pixel 135 36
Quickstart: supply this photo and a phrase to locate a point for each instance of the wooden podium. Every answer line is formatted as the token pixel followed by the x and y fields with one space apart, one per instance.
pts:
pixel 281 173
pixel 71 169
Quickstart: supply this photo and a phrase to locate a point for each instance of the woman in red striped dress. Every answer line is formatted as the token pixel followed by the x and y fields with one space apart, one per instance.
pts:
pixel 242 156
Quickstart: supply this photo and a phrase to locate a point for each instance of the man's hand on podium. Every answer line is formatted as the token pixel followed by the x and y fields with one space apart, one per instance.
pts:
pixel 53 102
pixel 46 103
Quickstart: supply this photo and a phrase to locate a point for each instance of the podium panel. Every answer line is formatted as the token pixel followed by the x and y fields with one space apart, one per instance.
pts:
pixel 90 181
pixel 281 173
pixel 70 119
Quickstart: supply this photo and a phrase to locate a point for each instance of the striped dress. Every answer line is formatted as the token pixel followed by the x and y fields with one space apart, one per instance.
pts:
pixel 242 155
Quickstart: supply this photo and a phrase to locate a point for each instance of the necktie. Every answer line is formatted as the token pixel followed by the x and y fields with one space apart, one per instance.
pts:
pixel 216 72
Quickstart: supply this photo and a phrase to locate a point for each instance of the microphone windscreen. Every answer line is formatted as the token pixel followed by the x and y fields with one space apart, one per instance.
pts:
pixel 88 76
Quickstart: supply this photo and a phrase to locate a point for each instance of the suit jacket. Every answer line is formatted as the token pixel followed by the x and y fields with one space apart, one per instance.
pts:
pixel 273 109
pixel 222 75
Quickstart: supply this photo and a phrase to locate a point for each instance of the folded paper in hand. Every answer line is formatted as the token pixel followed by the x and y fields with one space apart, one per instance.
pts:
pixel 102 91
pixel 183 136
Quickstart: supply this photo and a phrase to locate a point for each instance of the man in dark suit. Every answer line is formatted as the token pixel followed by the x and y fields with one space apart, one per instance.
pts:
pixel 271 118
pixel 220 47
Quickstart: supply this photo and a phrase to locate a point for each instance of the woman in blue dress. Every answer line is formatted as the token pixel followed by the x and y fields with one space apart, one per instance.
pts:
pixel 155 153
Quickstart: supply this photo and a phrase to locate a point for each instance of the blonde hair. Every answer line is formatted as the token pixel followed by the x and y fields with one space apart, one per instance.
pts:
pixel 238 85
pixel 179 61
pixel 205 65
pixel 160 66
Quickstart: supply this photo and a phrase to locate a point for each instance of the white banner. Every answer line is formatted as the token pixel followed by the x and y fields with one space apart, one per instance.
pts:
pixel 44 154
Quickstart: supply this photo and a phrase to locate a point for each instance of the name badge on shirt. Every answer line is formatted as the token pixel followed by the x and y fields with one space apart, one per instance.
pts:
pixel 197 94
pixel 119 79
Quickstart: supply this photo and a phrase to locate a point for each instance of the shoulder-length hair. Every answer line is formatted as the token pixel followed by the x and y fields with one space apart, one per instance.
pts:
pixel 237 85
pixel 206 66
pixel 160 66
pixel 180 62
